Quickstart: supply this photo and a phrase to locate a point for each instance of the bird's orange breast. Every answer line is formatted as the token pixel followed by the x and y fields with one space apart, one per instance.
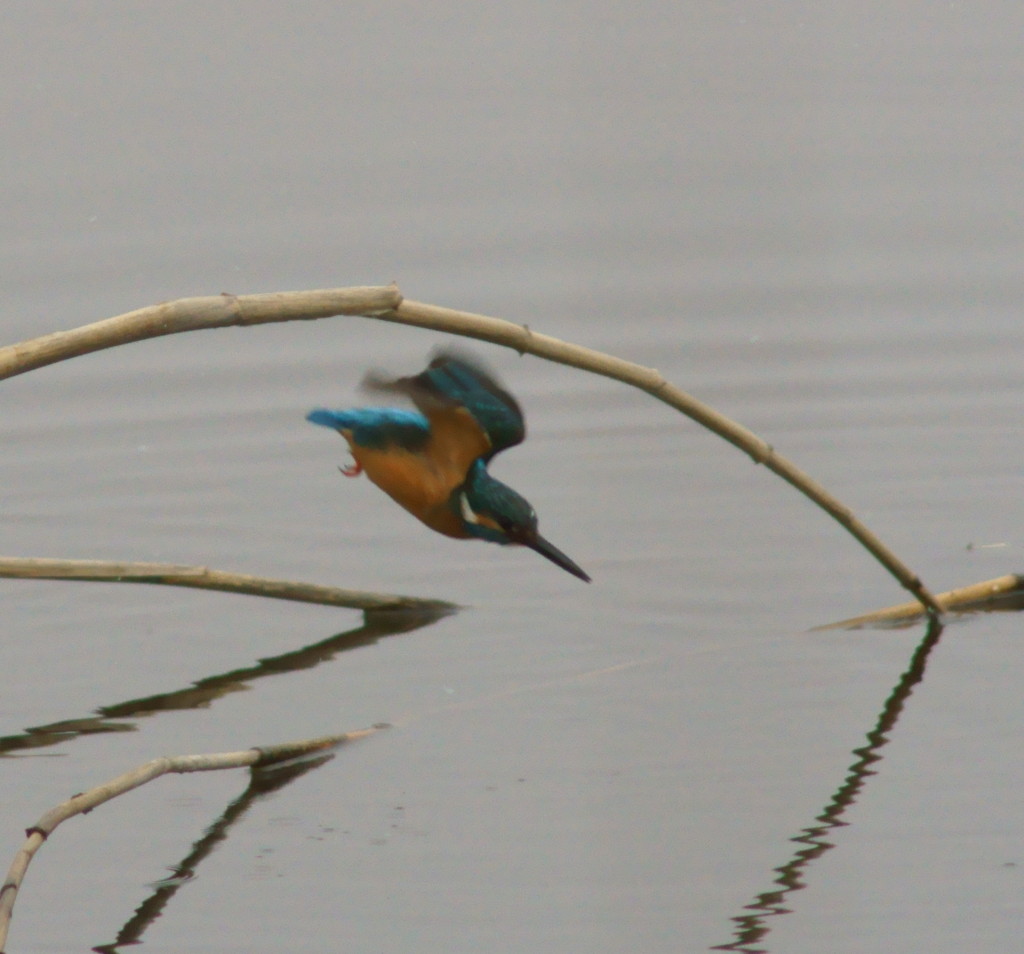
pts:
pixel 415 481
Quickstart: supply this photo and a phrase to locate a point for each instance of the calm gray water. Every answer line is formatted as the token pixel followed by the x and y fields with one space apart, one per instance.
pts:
pixel 807 215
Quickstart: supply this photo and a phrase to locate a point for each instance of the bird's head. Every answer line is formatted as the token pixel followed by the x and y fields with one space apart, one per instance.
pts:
pixel 493 511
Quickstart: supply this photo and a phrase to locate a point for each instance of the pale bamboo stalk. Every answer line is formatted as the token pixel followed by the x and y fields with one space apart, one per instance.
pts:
pixel 203 578
pixel 386 303
pixel 976 596
pixel 522 339
pixel 87 801
pixel 195 314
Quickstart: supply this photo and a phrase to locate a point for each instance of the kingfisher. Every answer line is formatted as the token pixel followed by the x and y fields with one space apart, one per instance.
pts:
pixel 433 460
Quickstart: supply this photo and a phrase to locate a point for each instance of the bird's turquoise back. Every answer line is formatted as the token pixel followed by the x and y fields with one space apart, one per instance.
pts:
pixel 464 382
pixel 454 381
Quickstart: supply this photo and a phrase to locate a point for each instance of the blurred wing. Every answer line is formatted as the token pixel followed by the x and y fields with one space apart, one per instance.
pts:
pixel 470 414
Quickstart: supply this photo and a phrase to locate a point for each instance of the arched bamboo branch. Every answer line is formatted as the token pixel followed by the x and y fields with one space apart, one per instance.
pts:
pixel 203 578
pixel 523 340
pixel 386 303
pixel 87 801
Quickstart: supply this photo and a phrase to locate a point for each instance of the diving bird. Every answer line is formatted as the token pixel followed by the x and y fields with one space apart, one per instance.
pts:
pixel 433 460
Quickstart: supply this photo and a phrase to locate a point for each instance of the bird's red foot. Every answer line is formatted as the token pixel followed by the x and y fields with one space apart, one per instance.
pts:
pixel 353 470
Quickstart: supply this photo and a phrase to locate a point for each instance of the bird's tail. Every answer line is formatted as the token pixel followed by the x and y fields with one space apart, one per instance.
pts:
pixel 332 419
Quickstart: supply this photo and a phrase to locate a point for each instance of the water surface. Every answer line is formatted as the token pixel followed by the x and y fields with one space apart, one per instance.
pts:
pixel 808 218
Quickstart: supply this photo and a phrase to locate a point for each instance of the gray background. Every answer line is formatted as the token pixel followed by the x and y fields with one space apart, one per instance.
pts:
pixel 806 214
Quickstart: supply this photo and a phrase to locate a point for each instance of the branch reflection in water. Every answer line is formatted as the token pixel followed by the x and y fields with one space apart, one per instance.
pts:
pixel 376 625
pixel 751 929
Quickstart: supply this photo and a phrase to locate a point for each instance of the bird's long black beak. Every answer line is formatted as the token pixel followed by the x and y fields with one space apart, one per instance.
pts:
pixel 536 542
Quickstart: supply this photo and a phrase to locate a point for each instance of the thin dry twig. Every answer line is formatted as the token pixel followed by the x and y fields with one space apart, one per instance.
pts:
pixel 203 578
pixel 87 801
pixel 976 596
pixel 386 303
